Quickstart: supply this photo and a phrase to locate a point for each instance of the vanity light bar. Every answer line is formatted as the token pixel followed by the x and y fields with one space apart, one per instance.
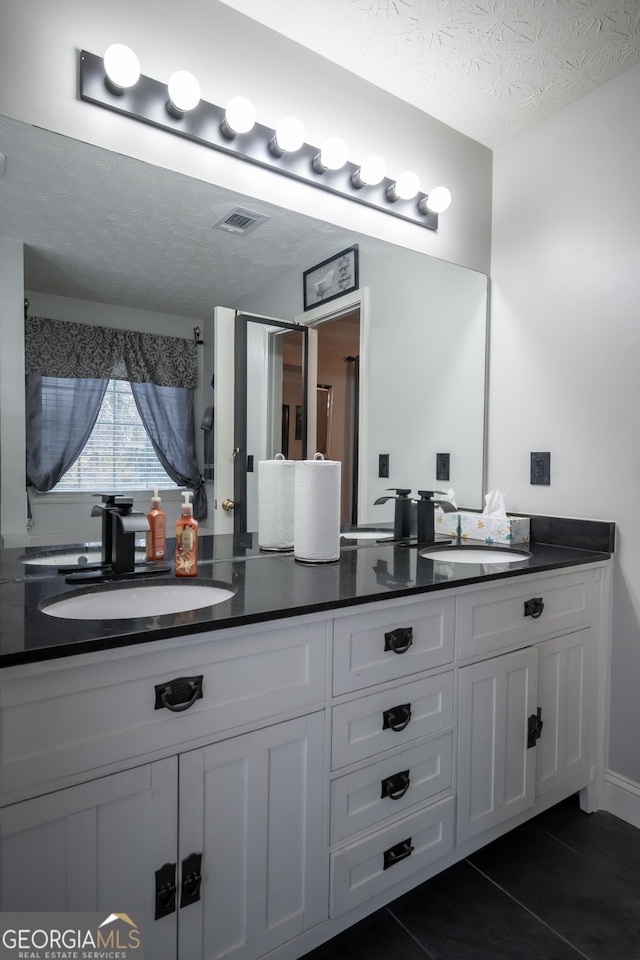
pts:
pixel 148 100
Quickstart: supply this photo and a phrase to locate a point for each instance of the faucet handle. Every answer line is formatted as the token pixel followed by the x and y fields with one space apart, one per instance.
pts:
pixel 429 494
pixel 113 500
pixel 401 493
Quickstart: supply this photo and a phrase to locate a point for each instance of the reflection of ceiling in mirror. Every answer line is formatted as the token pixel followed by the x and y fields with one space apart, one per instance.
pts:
pixel 104 227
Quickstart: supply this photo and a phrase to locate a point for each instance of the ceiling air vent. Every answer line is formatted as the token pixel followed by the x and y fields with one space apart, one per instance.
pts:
pixel 240 221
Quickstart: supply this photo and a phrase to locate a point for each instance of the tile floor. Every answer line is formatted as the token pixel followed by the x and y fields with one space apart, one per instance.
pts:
pixel 564 886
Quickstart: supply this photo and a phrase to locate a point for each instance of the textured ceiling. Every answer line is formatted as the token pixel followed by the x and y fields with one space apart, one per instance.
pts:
pixel 104 227
pixel 488 68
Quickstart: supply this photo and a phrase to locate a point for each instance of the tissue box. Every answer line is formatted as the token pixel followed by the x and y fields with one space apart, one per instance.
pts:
pixel 446 524
pixel 475 526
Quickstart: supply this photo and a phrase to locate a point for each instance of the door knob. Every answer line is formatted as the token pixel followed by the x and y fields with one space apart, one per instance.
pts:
pixel 228 504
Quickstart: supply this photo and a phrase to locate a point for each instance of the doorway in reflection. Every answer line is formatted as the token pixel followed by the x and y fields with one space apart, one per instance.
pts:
pixel 338 402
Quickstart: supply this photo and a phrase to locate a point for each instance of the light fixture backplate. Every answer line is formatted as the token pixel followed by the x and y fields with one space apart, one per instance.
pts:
pixel 147 100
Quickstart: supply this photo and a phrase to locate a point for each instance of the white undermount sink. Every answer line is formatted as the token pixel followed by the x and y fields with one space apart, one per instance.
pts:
pixel 367 535
pixel 127 601
pixel 475 554
pixel 68 558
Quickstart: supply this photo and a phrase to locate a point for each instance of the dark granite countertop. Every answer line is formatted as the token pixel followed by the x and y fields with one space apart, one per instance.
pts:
pixel 267 586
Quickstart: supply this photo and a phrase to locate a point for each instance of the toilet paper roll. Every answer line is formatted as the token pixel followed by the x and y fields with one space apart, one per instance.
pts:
pixel 276 492
pixel 316 528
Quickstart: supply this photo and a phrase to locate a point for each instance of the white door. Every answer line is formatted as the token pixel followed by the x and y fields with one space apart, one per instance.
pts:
pixel 562 754
pixel 96 847
pixel 253 806
pixel 496 769
pixel 223 380
pixel 227 478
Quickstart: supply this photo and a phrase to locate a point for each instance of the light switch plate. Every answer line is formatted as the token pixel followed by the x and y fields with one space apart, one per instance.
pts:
pixel 443 466
pixel 541 468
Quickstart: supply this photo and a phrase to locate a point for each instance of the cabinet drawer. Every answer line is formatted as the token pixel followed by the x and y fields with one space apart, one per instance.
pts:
pixel 382 721
pixel 370 648
pixel 378 862
pixel 389 787
pixel 73 716
pixel 495 618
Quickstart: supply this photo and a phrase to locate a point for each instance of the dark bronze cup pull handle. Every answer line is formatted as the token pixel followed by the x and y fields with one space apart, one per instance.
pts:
pixel 533 608
pixel 396 786
pixel 395 854
pixel 398 640
pixel 396 718
pixel 165 890
pixel 191 879
pixel 179 694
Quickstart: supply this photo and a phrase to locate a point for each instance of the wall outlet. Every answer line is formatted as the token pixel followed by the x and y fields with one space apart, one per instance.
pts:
pixel 443 466
pixel 541 468
pixel 383 465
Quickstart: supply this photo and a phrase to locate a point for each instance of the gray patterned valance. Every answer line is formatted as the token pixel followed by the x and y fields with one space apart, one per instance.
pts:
pixel 58 348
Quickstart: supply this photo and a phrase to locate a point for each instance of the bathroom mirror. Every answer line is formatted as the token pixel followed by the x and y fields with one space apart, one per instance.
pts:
pixel 102 228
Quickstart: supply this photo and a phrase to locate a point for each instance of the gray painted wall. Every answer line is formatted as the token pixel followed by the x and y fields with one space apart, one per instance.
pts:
pixel 565 344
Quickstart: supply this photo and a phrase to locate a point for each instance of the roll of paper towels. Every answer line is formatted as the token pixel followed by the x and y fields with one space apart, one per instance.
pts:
pixel 316 527
pixel 276 491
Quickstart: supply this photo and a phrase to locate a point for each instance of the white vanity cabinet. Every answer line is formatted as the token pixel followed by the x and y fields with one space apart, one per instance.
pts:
pixel 254 807
pixel 322 766
pixel 216 851
pixel 392 809
pixel 96 846
pixel 522 727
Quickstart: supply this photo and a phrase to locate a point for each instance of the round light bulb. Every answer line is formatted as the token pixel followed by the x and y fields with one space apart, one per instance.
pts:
pixel 184 91
pixel 372 171
pixel 439 200
pixel 289 135
pixel 334 153
pixel 121 66
pixel 240 115
pixel 406 186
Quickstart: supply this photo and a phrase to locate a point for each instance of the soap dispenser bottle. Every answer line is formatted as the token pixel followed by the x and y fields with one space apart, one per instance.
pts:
pixel 187 540
pixel 157 532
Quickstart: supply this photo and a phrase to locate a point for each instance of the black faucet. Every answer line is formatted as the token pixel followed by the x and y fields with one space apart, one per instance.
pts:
pixel 120 523
pixel 402 512
pixel 425 509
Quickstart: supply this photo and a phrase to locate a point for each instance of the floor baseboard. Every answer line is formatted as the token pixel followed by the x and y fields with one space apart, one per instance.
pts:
pixel 622 798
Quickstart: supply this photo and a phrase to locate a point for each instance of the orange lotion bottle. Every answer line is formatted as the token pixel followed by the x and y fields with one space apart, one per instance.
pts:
pixel 157 532
pixel 187 540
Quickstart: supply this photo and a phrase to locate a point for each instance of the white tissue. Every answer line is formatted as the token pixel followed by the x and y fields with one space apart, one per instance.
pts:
pixel 316 528
pixel 495 505
pixel 276 493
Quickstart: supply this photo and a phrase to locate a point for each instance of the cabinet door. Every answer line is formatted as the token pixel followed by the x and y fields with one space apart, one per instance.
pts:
pixel 95 847
pixel 254 807
pixel 562 755
pixel 496 770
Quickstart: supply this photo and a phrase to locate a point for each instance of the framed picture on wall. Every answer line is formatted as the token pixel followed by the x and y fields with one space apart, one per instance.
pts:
pixel 332 278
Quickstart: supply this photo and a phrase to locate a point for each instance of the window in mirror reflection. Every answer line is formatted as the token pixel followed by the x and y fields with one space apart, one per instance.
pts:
pixel 118 453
